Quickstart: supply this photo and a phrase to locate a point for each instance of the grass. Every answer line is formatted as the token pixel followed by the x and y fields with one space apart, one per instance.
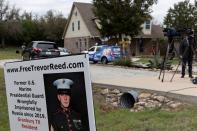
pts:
pixel 9 53
pixel 149 120
pixel 175 61
pixel 4 123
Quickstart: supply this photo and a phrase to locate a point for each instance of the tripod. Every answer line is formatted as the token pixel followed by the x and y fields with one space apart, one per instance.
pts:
pixel 173 49
pixel 170 49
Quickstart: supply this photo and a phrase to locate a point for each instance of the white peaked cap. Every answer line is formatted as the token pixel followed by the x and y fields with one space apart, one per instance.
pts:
pixel 63 83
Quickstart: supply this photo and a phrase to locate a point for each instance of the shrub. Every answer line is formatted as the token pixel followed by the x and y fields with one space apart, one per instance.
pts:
pixel 123 62
pixel 157 63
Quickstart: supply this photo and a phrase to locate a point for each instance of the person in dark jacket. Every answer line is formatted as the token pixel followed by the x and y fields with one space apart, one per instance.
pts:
pixel 186 54
pixel 65 119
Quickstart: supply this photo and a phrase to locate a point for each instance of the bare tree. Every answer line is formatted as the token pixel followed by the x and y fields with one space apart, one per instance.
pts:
pixel 3 10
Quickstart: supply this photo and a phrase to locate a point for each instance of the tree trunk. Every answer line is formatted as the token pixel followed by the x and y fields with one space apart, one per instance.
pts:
pixel 120 42
pixel 129 49
pixel 2 43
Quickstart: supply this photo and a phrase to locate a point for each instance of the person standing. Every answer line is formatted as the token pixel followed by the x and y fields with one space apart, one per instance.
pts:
pixel 186 53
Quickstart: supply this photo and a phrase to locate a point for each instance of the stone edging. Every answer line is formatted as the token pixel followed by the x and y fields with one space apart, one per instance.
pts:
pixel 182 98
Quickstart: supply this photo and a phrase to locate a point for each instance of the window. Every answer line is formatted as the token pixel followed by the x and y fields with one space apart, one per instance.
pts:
pixel 46 46
pixel 92 49
pixel 77 44
pixel 76 13
pixel 78 25
pixel 85 43
pixel 98 48
pixel 73 26
pixel 141 45
pixel 116 49
pixel 147 24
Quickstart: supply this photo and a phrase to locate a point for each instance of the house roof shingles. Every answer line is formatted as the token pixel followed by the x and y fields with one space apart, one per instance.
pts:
pixel 86 12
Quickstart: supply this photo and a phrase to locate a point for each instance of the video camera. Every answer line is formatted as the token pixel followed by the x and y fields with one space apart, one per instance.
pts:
pixel 171 32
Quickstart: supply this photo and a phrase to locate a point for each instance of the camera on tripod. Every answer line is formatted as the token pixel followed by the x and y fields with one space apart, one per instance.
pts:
pixel 172 32
pixel 185 35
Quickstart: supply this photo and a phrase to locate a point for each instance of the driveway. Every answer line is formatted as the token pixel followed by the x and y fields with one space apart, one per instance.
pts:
pixel 142 79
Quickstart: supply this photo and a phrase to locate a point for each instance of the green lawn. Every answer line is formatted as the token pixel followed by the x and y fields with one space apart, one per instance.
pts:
pixel 9 53
pixel 149 120
pixel 4 124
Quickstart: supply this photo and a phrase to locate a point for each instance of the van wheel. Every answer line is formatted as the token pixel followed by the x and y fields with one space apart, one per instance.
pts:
pixel 95 62
pixel 104 60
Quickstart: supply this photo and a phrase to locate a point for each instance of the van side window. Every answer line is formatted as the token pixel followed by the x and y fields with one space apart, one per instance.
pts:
pixel 98 49
pixel 91 49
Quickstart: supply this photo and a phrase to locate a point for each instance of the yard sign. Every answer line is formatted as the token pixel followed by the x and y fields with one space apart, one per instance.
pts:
pixel 31 94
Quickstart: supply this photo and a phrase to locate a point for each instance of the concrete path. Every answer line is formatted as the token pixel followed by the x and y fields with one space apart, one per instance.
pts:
pixel 142 79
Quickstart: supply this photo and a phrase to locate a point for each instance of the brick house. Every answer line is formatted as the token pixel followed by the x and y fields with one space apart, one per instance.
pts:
pixel 81 32
pixel 148 41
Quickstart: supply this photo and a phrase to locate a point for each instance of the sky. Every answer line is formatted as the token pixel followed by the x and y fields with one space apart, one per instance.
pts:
pixel 40 7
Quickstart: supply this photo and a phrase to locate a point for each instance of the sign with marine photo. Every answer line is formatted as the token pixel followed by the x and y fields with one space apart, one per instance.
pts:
pixel 50 94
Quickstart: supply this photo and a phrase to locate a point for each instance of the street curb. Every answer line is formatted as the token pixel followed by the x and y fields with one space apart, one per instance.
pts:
pixel 182 98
